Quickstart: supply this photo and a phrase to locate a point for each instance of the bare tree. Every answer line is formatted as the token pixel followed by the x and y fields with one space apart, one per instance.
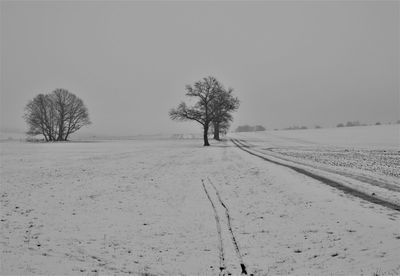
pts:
pixel 223 105
pixel 39 115
pixel 223 128
pixel 213 104
pixel 205 91
pixel 56 115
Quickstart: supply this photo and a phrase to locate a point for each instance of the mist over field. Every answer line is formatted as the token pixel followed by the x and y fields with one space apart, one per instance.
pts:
pixel 199 138
pixel 289 63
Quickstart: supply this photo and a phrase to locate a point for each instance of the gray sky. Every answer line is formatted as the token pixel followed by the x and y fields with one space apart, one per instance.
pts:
pixel 290 63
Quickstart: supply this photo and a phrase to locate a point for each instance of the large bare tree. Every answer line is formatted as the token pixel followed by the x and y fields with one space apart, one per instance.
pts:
pixel 210 105
pixel 56 115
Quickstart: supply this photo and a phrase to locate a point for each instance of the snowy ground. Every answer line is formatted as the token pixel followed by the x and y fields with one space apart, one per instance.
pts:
pixel 137 207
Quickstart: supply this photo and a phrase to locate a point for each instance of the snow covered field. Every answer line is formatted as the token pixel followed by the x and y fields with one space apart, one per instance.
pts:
pixel 173 207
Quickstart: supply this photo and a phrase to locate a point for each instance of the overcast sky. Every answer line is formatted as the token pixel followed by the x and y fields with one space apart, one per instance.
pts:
pixel 290 63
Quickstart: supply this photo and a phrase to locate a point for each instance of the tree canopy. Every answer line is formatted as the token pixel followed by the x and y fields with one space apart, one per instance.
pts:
pixel 213 106
pixel 56 115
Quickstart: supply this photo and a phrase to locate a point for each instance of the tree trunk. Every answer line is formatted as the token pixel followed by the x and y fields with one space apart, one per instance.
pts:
pixel 216 131
pixel 205 135
pixel 60 135
pixel 49 136
pixel 45 136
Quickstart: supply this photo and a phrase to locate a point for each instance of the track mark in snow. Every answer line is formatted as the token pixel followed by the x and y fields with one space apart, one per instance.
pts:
pixel 325 180
pixel 358 177
pixel 228 217
pixel 214 200
pixel 222 265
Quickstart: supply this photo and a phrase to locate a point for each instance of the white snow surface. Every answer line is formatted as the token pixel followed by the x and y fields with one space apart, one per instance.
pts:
pixel 381 137
pixel 138 207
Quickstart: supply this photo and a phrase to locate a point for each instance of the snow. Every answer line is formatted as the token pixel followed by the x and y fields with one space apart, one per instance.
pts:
pixel 363 137
pixel 339 154
pixel 138 206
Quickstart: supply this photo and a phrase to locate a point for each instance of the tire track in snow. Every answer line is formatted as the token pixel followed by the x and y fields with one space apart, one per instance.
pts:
pixel 323 179
pixel 228 217
pixel 222 265
pixel 361 178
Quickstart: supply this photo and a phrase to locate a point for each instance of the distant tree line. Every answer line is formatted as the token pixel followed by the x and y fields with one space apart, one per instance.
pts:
pixel 56 115
pixel 213 107
pixel 357 123
pixel 347 124
pixel 247 128
pixel 350 124
pixel 295 128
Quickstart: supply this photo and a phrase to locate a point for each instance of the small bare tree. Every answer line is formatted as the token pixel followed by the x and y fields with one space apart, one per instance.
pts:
pixel 56 115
